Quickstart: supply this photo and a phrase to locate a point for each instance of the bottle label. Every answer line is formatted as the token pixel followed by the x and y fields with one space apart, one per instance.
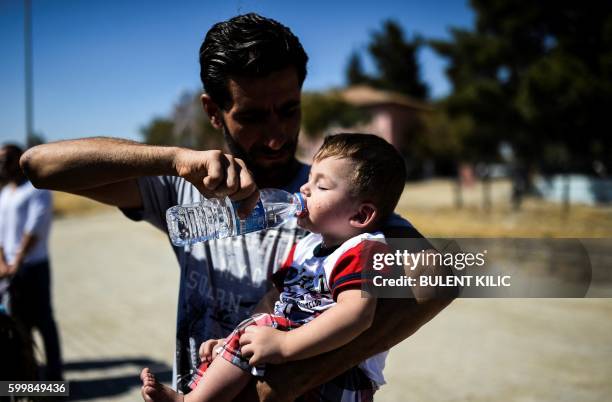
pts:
pixel 254 222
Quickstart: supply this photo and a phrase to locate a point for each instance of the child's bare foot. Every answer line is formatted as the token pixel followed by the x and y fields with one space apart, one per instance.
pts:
pixel 153 391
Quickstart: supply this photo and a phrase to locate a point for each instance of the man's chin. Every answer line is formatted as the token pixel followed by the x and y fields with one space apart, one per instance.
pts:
pixel 274 167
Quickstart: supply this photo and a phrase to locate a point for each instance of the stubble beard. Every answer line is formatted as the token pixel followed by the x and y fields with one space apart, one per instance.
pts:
pixel 275 175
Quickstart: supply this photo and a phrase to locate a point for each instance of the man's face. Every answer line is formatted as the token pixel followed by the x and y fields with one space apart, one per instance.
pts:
pixel 263 122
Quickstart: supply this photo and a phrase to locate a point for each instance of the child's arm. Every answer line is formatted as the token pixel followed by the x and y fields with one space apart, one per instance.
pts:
pixel 337 326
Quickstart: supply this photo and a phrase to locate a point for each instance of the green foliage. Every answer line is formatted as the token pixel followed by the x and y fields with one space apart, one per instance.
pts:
pixel 322 111
pixel 442 138
pixel 537 75
pixel 159 132
pixel 395 59
pixel 354 71
pixel 188 126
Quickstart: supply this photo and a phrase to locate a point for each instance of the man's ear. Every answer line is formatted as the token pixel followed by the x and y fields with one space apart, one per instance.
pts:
pixel 365 216
pixel 212 110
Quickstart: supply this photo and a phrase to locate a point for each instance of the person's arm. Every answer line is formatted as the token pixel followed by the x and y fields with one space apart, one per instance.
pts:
pixel 106 169
pixel 335 327
pixel 266 304
pixel 4 268
pixel 28 241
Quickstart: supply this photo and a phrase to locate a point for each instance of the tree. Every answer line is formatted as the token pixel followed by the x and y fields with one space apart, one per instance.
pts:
pixel 395 59
pixel 188 126
pixel 397 68
pixel 537 75
pixel 159 132
pixel 354 71
pixel 322 111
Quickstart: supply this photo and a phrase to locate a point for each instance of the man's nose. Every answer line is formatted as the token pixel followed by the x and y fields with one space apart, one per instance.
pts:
pixel 275 138
pixel 275 141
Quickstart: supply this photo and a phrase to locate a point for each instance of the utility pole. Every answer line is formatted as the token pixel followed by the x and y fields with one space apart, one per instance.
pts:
pixel 29 90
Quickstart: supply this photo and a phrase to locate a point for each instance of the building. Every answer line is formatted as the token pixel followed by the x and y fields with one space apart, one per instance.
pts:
pixel 393 116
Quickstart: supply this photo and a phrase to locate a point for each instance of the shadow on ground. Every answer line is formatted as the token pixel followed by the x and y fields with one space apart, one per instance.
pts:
pixel 111 385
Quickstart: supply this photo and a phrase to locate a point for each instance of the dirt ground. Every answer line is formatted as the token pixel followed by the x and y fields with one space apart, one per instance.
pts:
pixel 115 291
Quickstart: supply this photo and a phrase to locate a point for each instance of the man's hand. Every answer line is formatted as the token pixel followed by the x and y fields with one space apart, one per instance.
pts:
pixel 217 175
pixel 209 349
pixel 263 345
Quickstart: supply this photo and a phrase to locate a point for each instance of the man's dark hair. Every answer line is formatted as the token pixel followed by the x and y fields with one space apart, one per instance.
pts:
pixel 247 45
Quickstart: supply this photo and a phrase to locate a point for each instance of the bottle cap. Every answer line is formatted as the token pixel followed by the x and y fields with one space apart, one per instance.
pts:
pixel 302 209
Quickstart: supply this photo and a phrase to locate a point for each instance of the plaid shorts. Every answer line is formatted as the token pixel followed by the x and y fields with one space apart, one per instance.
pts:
pixel 351 386
pixel 231 346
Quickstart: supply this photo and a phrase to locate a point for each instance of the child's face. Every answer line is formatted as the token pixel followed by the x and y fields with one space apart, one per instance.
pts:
pixel 328 199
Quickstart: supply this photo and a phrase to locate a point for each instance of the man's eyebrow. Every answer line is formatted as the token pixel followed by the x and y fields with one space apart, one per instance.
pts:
pixel 291 103
pixel 251 110
pixel 257 110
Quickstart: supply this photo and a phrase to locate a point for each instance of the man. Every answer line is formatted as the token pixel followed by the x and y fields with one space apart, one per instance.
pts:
pixel 252 69
pixel 25 220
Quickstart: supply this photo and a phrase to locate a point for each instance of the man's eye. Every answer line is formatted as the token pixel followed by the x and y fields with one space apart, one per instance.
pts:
pixel 289 112
pixel 249 118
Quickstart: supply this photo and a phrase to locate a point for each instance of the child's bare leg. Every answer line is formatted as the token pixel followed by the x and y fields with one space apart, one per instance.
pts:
pixel 221 382
pixel 153 391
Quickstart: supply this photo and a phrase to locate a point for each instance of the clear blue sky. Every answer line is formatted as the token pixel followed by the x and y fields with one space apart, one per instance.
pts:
pixel 107 67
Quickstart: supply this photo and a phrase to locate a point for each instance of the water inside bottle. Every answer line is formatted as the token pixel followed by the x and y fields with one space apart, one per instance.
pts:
pixel 214 218
pixel 194 223
pixel 278 212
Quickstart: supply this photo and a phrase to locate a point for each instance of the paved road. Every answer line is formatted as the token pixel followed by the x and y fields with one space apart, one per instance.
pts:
pixel 115 290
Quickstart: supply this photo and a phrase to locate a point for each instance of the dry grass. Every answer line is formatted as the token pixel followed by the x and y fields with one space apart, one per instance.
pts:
pixel 430 207
pixel 70 204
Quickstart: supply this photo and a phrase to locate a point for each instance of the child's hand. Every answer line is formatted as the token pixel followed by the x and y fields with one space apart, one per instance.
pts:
pixel 263 345
pixel 210 349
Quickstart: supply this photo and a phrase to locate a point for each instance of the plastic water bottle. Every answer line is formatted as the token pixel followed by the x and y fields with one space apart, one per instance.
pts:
pixel 218 218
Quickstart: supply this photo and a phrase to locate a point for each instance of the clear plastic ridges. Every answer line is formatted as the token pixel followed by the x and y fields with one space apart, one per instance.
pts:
pixel 217 218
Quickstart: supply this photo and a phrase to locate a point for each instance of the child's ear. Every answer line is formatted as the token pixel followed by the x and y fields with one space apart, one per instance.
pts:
pixel 365 215
pixel 212 110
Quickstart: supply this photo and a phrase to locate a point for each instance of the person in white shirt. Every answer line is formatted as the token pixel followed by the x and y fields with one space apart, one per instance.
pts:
pixel 25 221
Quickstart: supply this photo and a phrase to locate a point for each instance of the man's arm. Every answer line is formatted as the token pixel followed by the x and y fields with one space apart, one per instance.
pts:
pixel 106 169
pixel 266 304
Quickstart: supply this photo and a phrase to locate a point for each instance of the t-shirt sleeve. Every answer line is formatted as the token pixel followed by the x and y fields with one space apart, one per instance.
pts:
pixel 355 268
pixel 158 193
pixel 396 227
pixel 39 212
pixel 278 278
